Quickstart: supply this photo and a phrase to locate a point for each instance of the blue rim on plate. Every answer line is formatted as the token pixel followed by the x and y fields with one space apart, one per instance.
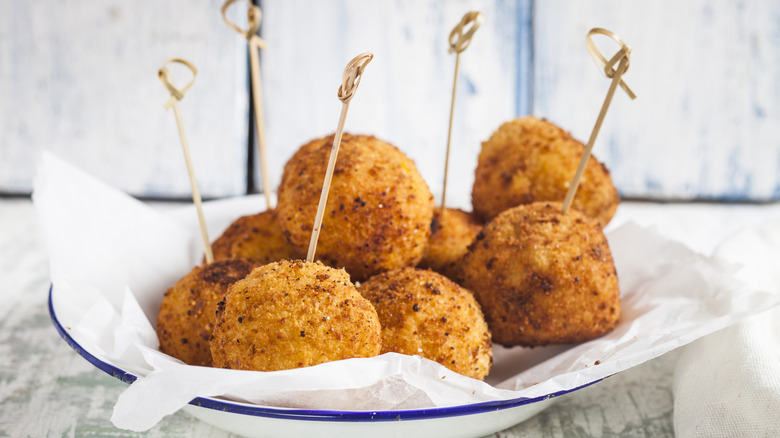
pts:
pixel 312 415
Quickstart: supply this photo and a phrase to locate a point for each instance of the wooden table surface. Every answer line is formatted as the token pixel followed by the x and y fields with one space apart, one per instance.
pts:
pixel 47 390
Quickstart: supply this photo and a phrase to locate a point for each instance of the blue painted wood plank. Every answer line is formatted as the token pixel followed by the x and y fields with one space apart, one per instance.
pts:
pixel 524 55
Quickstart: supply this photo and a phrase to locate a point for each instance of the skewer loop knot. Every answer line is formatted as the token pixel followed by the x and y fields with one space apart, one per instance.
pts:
pixel 165 77
pixel 459 40
pixel 610 67
pixel 254 15
pixel 352 74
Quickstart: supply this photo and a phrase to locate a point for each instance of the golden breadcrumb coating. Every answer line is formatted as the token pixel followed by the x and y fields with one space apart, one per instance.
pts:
pixel 424 313
pixel 451 235
pixel 292 314
pixel 257 237
pixel 543 277
pixel 379 208
pixel 188 309
pixel 530 159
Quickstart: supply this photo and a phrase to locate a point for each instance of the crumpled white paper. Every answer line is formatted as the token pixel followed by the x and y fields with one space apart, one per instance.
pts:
pixel 113 257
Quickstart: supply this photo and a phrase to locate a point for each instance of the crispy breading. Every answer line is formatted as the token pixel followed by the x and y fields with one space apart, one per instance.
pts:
pixel 257 237
pixel 530 159
pixel 188 309
pixel 451 235
pixel 379 208
pixel 424 313
pixel 543 277
pixel 292 314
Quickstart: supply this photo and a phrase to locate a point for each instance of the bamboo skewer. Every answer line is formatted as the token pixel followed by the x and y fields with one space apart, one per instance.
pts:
pixel 622 58
pixel 255 44
pixel 459 41
pixel 176 95
pixel 349 83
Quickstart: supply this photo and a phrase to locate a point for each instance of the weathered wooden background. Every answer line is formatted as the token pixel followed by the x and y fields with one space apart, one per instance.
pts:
pixel 79 78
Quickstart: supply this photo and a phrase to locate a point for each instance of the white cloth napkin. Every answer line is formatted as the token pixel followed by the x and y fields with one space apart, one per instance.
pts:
pixel 727 384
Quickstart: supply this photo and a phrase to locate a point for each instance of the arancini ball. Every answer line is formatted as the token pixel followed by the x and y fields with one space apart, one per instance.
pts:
pixel 528 160
pixel 292 314
pixel 543 277
pixel 451 234
pixel 188 309
pixel 257 237
pixel 379 208
pixel 424 313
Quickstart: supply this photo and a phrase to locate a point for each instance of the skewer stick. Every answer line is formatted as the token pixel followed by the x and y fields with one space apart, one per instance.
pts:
pixel 349 83
pixel 255 44
pixel 622 58
pixel 459 41
pixel 176 95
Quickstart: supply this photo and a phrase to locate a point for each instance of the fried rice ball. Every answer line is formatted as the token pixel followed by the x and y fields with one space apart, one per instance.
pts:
pixel 292 314
pixel 543 277
pixel 424 313
pixel 379 208
pixel 530 159
pixel 451 234
pixel 256 237
pixel 188 309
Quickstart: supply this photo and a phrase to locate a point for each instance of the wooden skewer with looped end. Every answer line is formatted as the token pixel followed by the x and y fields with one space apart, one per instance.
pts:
pixel 255 44
pixel 459 41
pixel 176 95
pixel 621 58
pixel 349 83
